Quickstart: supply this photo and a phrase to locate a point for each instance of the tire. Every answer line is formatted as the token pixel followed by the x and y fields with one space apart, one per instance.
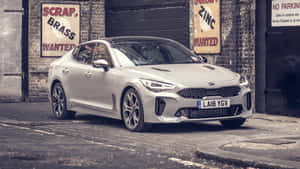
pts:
pixel 232 124
pixel 59 103
pixel 132 111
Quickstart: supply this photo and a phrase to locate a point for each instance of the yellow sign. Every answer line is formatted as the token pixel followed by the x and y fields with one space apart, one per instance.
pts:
pixel 207 26
pixel 60 28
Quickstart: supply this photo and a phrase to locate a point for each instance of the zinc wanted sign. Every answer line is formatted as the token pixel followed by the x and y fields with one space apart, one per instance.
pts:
pixel 207 26
pixel 60 28
pixel 285 13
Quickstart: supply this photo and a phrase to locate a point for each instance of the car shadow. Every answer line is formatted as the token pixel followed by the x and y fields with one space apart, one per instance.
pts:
pixel 191 127
pixel 98 120
pixel 159 128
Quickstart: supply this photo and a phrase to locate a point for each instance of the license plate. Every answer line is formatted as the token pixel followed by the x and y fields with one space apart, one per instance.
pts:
pixel 212 104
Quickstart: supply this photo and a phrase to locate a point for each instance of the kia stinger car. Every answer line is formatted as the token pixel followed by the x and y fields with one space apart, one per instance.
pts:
pixel 146 80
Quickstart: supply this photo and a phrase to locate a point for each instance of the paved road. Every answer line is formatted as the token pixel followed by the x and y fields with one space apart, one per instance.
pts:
pixel 28 147
pixel 31 138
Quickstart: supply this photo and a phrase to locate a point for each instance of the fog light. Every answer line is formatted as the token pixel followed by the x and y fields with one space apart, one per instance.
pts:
pixel 182 112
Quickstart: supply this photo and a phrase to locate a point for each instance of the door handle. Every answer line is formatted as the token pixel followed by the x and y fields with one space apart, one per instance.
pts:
pixel 65 70
pixel 88 74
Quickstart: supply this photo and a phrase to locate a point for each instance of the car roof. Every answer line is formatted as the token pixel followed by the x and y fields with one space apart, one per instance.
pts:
pixel 118 39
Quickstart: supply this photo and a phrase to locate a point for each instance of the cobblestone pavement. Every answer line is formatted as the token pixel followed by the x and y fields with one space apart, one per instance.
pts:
pixel 31 138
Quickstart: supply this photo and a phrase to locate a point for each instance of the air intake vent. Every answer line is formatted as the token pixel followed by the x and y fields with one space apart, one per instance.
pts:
pixel 193 113
pixel 249 102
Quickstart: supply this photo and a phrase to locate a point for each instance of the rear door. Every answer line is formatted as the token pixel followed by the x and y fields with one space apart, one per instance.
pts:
pixel 78 73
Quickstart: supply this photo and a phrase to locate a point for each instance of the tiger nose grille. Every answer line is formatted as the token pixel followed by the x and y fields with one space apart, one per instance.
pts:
pixel 198 93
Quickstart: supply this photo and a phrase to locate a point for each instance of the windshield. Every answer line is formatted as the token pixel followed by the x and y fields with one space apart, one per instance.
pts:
pixel 154 52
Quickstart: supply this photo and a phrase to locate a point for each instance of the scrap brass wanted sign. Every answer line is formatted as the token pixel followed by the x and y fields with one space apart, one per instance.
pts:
pixel 207 26
pixel 60 28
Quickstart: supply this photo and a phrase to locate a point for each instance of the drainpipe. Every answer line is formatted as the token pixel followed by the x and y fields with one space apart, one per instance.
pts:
pixel 236 37
pixel 90 20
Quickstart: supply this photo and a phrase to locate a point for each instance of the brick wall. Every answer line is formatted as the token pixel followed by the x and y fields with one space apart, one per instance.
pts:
pixel 37 65
pixel 237 38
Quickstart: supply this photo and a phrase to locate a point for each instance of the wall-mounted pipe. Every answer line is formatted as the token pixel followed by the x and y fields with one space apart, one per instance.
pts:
pixel 90 19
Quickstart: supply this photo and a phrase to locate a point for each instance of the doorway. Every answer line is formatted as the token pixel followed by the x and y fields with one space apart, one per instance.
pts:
pixel 283 72
pixel 11 76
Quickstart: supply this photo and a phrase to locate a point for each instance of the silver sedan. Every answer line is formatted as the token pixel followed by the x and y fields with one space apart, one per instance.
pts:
pixel 145 80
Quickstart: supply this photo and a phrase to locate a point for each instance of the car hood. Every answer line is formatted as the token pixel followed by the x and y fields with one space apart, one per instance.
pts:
pixel 188 74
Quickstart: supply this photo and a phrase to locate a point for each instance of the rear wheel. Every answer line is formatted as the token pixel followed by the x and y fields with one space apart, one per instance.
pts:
pixel 233 123
pixel 59 103
pixel 133 112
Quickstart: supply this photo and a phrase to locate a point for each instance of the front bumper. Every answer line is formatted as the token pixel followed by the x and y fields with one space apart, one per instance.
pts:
pixel 173 103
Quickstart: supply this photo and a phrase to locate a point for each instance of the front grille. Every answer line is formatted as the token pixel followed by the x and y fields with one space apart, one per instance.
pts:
pixel 198 93
pixel 193 113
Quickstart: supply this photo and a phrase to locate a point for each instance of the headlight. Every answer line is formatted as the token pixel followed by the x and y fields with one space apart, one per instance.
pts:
pixel 157 86
pixel 244 82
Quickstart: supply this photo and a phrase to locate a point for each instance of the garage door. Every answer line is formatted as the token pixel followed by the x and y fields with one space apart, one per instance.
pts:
pixel 168 19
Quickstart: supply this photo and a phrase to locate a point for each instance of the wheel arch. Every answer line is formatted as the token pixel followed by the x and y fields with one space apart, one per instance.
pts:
pixel 122 97
pixel 129 86
pixel 51 89
pixel 53 83
pixel 141 126
pixel 67 113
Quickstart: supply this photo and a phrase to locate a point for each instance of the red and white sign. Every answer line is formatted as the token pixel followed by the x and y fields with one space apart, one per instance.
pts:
pixel 285 13
pixel 60 28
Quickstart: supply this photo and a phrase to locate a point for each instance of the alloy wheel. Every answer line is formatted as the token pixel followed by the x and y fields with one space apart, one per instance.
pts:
pixel 131 110
pixel 58 101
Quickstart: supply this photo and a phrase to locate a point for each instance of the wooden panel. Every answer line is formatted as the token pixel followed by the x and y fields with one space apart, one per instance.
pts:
pixel 133 4
pixel 11 50
pixel 131 21
pixel 154 13
pixel 171 34
pixel 170 20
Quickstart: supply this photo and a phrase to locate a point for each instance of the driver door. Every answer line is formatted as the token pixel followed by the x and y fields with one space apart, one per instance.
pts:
pixel 100 83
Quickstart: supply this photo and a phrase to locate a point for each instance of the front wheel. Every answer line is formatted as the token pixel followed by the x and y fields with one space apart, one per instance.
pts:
pixel 233 123
pixel 133 112
pixel 59 103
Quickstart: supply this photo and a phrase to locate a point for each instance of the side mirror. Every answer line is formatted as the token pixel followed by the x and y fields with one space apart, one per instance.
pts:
pixel 101 63
pixel 204 59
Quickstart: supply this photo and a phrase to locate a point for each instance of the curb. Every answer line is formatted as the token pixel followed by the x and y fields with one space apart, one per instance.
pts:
pixel 239 162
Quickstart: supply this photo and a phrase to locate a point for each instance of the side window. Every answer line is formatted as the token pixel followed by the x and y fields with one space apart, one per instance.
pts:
pixel 75 54
pixel 85 53
pixel 101 52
